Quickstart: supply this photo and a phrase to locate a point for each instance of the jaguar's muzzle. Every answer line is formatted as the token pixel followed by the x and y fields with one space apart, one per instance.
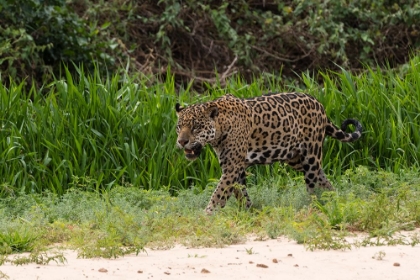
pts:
pixel 194 152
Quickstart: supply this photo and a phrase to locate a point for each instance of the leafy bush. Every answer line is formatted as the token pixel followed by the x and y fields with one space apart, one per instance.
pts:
pixel 36 37
pixel 195 38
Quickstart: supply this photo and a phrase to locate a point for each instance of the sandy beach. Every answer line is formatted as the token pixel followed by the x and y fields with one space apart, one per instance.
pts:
pixel 270 259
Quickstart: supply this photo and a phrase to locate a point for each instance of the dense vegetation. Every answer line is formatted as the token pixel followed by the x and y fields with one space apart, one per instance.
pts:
pixel 87 147
pixel 93 132
pixel 124 219
pixel 194 38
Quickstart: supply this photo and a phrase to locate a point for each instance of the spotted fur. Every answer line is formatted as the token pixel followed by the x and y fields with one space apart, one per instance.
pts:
pixel 286 127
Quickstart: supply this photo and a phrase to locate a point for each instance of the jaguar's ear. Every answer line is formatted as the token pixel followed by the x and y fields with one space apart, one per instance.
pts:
pixel 178 108
pixel 213 111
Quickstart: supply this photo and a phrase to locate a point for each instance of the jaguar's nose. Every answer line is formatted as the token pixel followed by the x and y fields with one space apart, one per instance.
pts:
pixel 183 142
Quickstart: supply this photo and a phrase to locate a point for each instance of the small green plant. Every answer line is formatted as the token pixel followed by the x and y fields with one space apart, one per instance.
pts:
pixel 3 276
pixel 196 256
pixel 414 240
pixel 117 235
pixel 17 241
pixel 250 251
pixel 332 208
pixel 42 258
pixel 379 255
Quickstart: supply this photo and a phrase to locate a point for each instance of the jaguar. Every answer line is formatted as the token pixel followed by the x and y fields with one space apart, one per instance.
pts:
pixel 284 127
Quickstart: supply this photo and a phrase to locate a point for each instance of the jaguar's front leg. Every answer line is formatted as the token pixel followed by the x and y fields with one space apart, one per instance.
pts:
pixel 226 187
pixel 221 194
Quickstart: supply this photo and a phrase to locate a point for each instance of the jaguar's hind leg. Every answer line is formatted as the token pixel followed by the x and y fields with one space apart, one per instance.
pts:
pixel 315 176
pixel 240 191
pixel 323 181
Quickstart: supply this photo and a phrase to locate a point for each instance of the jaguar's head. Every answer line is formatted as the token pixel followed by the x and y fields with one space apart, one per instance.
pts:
pixel 196 127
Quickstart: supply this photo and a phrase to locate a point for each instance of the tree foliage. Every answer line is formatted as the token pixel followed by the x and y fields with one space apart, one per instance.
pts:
pixel 37 37
pixel 195 38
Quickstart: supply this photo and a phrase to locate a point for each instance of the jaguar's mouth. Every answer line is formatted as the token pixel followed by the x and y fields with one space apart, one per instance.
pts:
pixel 193 153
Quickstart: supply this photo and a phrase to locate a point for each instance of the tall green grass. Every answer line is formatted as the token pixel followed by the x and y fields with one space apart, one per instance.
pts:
pixel 388 105
pixel 89 133
pixel 92 132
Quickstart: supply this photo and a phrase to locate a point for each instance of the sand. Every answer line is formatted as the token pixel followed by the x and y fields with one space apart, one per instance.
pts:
pixel 269 259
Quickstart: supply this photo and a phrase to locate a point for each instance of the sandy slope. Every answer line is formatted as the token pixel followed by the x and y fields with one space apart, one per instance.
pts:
pixel 271 259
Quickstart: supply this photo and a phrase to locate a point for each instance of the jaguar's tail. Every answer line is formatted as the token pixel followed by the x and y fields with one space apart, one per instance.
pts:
pixel 341 134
